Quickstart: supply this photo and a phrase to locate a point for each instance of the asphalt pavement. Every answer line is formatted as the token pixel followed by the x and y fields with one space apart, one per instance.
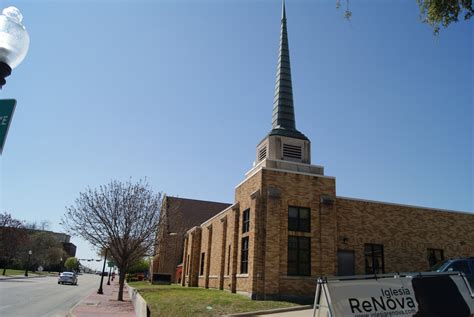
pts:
pixel 43 296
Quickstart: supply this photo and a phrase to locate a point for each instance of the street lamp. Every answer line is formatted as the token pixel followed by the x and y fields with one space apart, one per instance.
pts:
pixel 100 291
pixel 14 42
pixel 61 265
pixel 110 273
pixel 28 262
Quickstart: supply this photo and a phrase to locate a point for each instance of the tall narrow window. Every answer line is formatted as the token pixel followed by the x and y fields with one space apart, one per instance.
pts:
pixel 434 257
pixel 187 264
pixel 244 257
pixel 201 272
pixel 299 219
pixel 299 255
pixel 246 221
pixel 228 261
pixel 374 260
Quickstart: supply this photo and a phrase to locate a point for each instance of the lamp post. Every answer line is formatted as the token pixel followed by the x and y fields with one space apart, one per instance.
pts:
pixel 101 291
pixel 28 262
pixel 110 272
pixel 61 265
pixel 14 42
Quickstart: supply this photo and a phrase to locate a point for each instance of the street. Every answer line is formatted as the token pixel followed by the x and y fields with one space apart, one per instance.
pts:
pixel 43 296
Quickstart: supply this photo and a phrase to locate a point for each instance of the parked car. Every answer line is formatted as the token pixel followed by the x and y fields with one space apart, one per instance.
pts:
pixel 67 278
pixel 464 265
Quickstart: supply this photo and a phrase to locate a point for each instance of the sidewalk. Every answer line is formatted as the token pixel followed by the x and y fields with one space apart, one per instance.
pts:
pixel 105 305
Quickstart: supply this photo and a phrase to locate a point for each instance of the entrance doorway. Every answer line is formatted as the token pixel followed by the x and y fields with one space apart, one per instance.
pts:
pixel 345 263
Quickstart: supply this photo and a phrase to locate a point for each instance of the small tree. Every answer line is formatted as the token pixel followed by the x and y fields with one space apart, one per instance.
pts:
pixel 46 249
pixel 72 264
pixel 119 217
pixel 141 266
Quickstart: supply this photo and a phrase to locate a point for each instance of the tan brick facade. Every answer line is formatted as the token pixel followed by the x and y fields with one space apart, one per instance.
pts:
pixel 342 224
pixel 325 236
pixel 405 232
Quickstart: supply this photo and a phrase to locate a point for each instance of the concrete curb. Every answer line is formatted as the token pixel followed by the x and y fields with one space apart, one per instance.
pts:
pixel 70 312
pixel 270 311
pixel 139 303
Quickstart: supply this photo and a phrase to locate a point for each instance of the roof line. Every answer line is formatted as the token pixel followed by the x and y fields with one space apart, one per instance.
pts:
pixel 405 205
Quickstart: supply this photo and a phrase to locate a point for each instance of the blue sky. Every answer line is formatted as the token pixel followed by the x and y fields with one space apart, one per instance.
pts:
pixel 181 92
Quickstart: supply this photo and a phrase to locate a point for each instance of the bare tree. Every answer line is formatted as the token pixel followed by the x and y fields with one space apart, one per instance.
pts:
pixel 42 225
pixel 120 217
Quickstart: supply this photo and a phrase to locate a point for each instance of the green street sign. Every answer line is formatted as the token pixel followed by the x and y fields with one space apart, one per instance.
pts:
pixel 7 107
pixel 110 264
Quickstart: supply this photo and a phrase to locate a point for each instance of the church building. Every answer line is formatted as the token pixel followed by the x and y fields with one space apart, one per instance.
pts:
pixel 287 226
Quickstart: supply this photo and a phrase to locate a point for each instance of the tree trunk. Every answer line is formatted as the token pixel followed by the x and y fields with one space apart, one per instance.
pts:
pixel 121 284
pixel 4 270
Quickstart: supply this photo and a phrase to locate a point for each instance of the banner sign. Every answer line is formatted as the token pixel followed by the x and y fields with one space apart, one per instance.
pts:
pixel 7 107
pixel 382 296
pixel 420 295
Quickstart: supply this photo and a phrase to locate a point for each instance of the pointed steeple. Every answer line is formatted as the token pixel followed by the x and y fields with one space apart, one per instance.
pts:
pixel 285 148
pixel 283 118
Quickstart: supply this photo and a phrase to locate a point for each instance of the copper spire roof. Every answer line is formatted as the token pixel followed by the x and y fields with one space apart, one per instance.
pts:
pixel 283 119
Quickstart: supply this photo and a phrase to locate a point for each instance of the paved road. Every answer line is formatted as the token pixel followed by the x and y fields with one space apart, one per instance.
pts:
pixel 43 296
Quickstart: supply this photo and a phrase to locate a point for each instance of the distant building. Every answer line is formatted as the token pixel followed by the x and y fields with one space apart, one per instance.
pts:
pixel 69 248
pixel 288 226
pixel 178 215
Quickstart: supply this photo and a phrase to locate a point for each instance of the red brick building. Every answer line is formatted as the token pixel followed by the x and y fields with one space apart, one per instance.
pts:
pixel 177 216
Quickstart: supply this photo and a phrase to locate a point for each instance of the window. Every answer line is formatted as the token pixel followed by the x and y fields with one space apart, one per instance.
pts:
pixel 460 266
pixel 203 255
pixel 262 153
pixel 374 261
pixel 187 264
pixel 246 221
pixel 299 219
pixel 292 151
pixel 228 261
pixel 299 255
pixel 244 257
pixel 434 257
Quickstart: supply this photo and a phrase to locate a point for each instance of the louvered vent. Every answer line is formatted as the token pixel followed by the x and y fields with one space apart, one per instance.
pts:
pixel 262 153
pixel 292 151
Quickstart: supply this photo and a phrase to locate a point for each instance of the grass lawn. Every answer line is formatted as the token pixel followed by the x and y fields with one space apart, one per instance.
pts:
pixel 11 272
pixel 175 300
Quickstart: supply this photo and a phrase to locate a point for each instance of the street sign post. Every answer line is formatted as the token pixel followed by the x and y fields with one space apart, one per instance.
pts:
pixel 7 107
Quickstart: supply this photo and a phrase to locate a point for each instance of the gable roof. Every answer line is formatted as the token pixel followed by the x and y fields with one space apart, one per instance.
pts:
pixel 183 213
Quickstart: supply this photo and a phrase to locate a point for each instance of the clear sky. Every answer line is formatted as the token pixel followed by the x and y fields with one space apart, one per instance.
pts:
pixel 181 92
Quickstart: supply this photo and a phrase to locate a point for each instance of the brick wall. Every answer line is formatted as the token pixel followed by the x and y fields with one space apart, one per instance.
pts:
pixel 280 190
pixel 405 233
pixel 345 224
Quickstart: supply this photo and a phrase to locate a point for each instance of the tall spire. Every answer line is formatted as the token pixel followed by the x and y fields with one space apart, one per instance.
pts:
pixel 283 118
